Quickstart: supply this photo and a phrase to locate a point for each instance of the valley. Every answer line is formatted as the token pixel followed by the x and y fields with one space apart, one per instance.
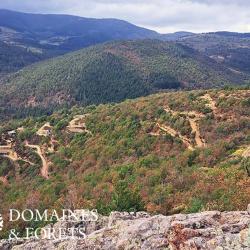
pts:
pixel 58 62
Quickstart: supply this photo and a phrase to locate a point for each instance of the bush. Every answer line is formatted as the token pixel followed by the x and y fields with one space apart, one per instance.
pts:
pixel 4 168
pixel 195 206
pixel 125 199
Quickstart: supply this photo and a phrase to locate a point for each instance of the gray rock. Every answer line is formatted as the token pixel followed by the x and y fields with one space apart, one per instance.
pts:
pixel 207 230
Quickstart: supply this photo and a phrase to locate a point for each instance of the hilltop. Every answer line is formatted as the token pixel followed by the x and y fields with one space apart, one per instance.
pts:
pixel 165 153
pixel 111 72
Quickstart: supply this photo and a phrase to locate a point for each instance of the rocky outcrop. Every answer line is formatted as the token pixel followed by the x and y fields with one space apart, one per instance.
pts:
pixel 206 230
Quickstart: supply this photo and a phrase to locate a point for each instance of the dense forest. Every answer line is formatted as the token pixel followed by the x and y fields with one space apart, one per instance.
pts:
pixel 165 153
pixel 13 58
pixel 111 73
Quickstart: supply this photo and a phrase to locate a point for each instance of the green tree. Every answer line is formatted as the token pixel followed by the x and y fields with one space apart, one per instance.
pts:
pixel 125 199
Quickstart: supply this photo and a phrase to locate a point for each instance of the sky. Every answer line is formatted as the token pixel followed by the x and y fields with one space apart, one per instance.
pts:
pixel 164 16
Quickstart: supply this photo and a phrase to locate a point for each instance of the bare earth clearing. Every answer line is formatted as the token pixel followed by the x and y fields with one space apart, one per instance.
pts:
pixel 77 125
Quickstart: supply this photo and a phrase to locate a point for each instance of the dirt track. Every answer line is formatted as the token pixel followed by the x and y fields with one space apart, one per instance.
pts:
pixel 43 131
pixel 45 164
pixel 8 152
pixel 193 118
pixel 77 125
pixel 211 103
pixel 174 133
pixel 246 153
pixel 194 123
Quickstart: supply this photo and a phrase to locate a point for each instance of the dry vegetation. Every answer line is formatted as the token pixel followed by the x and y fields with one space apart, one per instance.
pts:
pixel 166 153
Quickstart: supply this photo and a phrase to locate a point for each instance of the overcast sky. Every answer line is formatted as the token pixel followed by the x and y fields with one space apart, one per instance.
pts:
pixel 161 15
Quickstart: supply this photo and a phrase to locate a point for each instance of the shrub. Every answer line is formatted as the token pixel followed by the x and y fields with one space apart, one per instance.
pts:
pixel 125 199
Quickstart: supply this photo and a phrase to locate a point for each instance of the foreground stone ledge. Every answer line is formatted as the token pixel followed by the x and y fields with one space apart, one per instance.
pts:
pixel 206 230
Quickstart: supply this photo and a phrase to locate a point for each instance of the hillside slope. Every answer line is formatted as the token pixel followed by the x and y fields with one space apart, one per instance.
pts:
pixel 227 48
pixel 13 58
pixel 165 153
pixel 112 72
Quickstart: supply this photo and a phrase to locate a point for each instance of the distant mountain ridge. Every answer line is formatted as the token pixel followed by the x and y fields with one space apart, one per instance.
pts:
pixel 34 37
pixel 73 32
pixel 231 34
pixel 47 25
pixel 176 35
pixel 66 32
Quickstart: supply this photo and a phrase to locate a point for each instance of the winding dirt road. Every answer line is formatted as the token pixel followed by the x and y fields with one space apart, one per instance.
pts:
pixel 77 125
pixel 194 123
pixel 174 133
pixel 43 131
pixel 8 152
pixel 211 103
pixel 193 118
pixel 45 164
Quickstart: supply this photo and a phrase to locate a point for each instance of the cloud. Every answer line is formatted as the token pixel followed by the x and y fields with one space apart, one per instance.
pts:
pixel 161 15
pixel 216 2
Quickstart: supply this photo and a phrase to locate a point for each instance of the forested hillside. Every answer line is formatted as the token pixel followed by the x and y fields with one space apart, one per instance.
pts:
pixel 228 48
pixel 166 153
pixel 110 73
pixel 13 58
pixel 34 37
